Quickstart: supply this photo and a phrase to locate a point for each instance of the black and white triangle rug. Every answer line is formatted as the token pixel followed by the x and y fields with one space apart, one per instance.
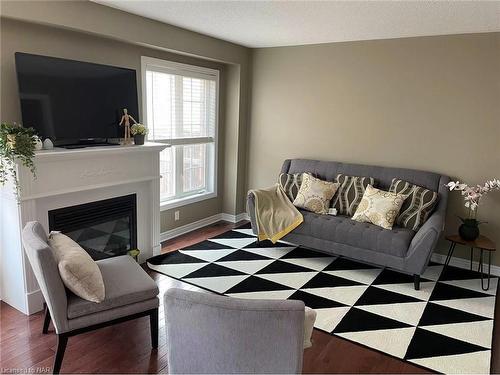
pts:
pixel 446 326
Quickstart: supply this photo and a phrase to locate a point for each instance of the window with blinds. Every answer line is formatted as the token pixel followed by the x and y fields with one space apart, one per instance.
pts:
pixel 180 108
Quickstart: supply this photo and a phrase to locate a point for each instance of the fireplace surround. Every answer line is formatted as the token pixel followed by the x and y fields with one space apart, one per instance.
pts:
pixel 69 178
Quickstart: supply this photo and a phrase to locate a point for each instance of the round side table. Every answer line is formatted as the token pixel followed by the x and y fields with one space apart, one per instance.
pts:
pixel 482 243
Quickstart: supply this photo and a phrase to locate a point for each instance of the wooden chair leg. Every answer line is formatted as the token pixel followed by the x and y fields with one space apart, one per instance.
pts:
pixel 46 321
pixel 416 281
pixel 62 340
pixel 153 324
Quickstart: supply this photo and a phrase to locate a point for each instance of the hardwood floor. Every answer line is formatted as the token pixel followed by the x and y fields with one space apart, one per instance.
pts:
pixel 126 347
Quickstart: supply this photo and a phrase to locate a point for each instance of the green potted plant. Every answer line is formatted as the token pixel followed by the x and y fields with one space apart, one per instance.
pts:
pixel 139 132
pixel 16 144
pixel 469 230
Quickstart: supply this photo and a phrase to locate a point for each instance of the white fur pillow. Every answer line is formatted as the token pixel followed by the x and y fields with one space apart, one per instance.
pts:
pixel 78 270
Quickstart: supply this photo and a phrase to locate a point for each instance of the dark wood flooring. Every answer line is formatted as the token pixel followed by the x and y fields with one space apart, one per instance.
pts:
pixel 126 348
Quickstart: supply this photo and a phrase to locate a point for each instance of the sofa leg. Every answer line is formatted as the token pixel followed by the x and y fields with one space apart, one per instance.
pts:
pixel 153 325
pixel 62 340
pixel 46 320
pixel 416 281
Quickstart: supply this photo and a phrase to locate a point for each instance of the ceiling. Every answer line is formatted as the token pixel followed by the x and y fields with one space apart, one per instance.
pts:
pixel 285 23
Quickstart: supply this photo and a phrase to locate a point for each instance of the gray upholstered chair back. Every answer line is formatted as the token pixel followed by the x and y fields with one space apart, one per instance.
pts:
pixel 207 333
pixel 46 272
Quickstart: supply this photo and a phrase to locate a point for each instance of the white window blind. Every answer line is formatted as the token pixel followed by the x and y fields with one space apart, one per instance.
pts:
pixel 181 109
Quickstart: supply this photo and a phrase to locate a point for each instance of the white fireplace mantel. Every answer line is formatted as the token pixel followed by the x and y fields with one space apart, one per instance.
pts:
pixel 67 178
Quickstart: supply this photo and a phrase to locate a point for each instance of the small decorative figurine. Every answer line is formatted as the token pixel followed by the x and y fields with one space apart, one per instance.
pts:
pixel 125 122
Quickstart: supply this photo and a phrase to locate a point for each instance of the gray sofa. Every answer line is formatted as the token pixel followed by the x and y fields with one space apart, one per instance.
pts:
pixel 401 249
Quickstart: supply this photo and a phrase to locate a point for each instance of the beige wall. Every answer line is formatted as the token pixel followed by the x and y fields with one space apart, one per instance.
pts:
pixel 430 103
pixel 90 32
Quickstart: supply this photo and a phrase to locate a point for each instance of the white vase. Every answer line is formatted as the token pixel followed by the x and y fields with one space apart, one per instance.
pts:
pixel 47 144
pixel 38 143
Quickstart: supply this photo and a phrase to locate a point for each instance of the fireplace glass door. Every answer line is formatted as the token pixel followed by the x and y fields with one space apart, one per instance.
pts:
pixel 104 228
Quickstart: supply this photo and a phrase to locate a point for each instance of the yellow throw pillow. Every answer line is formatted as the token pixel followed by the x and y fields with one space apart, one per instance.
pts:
pixel 379 207
pixel 78 271
pixel 315 194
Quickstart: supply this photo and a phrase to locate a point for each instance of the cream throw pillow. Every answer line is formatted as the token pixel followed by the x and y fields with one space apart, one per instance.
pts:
pixel 78 270
pixel 315 194
pixel 379 207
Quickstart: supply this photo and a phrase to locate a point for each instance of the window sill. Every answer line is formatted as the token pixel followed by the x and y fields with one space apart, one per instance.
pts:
pixel 168 205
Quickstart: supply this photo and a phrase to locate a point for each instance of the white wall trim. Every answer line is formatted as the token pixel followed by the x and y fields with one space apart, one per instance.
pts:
pixel 190 199
pixel 235 218
pixel 179 231
pixel 33 301
pixel 465 263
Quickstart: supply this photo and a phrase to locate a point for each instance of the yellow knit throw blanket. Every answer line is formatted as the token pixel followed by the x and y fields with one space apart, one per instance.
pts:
pixel 275 215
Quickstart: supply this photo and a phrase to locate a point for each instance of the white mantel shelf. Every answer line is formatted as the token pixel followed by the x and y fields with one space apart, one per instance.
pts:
pixel 68 177
pixel 59 152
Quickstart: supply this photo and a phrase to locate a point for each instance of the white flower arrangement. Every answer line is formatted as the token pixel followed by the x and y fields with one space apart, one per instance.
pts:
pixel 139 129
pixel 472 194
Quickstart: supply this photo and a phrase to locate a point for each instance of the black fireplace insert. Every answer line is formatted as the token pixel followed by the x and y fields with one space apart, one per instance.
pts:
pixel 104 228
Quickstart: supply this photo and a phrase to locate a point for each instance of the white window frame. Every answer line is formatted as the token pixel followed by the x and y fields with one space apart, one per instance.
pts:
pixel 170 67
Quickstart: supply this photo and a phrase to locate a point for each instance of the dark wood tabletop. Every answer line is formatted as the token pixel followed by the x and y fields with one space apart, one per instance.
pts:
pixel 482 242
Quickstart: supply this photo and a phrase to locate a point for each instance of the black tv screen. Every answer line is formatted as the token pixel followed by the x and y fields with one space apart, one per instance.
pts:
pixel 72 101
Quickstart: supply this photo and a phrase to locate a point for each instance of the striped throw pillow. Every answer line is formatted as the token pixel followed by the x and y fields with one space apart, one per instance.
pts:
pixel 290 183
pixel 417 206
pixel 350 193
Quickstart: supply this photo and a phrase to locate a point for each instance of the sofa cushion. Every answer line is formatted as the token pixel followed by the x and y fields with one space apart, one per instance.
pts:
pixel 329 170
pixel 125 282
pixel 418 205
pixel 290 183
pixel 349 193
pixel 342 229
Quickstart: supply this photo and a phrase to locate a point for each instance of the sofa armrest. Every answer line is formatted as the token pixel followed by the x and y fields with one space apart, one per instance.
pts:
pixel 425 240
pixel 251 211
pixel 428 234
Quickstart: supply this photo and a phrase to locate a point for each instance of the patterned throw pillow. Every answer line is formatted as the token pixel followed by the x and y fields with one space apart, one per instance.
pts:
pixel 350 192
pixel 290 183
pixel 315 194
pixel 417 206
pixel 379 207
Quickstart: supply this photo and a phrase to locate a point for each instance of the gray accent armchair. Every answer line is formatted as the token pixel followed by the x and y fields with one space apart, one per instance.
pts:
pixel 401 249
pixel 130 294
pixel 207 333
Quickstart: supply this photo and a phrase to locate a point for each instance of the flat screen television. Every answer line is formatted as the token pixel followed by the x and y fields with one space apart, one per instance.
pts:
pixel 74 103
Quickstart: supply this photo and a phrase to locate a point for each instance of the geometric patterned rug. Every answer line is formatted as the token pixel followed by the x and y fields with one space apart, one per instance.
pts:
pixel 446 326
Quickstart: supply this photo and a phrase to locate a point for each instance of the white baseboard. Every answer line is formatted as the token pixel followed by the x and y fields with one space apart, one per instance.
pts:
pixel 235 218
pixel 465 263
pixel 34 302
pixel 179 231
